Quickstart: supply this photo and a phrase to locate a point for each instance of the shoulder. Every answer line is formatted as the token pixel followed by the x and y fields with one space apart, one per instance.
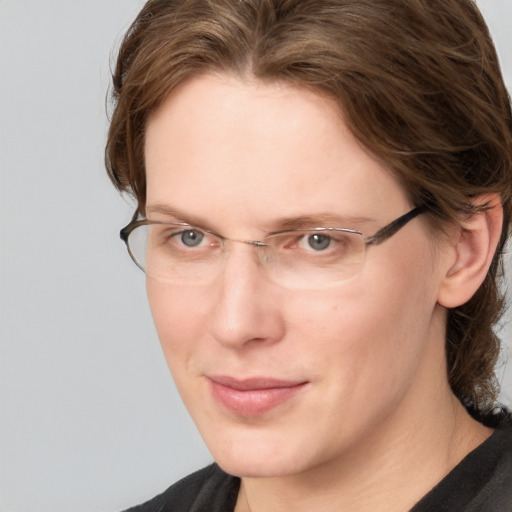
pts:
pixel 209 489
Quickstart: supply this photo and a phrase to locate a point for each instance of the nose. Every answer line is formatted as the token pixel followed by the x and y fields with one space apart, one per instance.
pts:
pixel 247 310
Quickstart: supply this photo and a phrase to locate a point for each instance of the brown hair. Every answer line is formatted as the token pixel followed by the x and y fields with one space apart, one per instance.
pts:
pixel 418 82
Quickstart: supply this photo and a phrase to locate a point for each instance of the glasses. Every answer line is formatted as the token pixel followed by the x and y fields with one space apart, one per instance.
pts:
pixel 179 253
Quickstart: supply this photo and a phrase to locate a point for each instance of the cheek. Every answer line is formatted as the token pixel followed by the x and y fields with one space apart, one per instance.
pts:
pixel 399 324
pixel 369 335
pixel 180 315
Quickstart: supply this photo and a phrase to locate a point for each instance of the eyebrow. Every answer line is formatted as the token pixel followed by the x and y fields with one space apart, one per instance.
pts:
pixel 320 220
pixel 323 219
pixel 175 214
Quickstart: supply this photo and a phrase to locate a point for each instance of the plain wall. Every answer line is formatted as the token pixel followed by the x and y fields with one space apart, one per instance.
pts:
pixel 89 417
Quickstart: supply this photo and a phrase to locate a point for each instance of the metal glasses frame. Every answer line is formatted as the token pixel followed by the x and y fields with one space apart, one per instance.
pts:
pixel 382 235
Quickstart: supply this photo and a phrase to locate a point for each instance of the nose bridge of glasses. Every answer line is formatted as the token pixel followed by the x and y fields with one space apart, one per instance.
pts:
pixel 238 265
pixel 252 243
pixel 259 245
pixel 259 255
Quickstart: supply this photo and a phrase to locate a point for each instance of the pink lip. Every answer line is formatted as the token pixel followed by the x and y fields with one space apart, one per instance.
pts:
pixel 255 396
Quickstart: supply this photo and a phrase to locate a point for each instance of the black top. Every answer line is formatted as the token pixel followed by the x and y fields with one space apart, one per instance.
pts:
pixel 481 482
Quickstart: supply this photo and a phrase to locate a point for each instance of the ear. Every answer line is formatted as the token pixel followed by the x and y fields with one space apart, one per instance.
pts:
pixel 471 251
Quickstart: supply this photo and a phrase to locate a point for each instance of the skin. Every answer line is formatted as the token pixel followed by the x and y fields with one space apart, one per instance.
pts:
pixel 376 425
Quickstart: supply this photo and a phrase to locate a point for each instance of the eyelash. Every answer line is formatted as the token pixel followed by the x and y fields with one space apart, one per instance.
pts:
pixel 294 241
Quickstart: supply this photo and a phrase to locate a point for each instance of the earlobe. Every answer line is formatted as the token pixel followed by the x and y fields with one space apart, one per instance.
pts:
pixel 473 247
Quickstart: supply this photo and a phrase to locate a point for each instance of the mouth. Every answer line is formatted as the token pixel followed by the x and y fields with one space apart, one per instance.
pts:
pixel 255 396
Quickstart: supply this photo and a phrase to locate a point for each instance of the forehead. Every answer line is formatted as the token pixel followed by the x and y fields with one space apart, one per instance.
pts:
pixel 253 151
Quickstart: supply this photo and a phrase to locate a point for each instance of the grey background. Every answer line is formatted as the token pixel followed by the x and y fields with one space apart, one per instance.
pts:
pixel 89 418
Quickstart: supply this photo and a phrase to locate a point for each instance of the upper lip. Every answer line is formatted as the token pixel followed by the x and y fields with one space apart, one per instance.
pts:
pixel 254 383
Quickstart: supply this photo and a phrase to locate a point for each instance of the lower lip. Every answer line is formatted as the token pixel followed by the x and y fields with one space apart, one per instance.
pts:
pixel 253 402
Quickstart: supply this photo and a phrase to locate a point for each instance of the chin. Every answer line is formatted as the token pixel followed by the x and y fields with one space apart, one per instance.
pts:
pixel 257 467
pixel 258 452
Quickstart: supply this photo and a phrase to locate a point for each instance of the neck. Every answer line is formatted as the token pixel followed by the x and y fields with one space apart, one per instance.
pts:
pixel 389 469
pixel 389 478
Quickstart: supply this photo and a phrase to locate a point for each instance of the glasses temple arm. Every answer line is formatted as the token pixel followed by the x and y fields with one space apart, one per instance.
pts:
pixel 389 230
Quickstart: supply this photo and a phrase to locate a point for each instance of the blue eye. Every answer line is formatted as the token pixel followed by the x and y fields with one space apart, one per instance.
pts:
pixel 191 237
pixel 319 242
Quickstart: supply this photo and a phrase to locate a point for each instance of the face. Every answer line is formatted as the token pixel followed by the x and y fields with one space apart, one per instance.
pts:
pixel 281 381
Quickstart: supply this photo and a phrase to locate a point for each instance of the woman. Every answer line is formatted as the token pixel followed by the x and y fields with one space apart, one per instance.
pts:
pixel 324 193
